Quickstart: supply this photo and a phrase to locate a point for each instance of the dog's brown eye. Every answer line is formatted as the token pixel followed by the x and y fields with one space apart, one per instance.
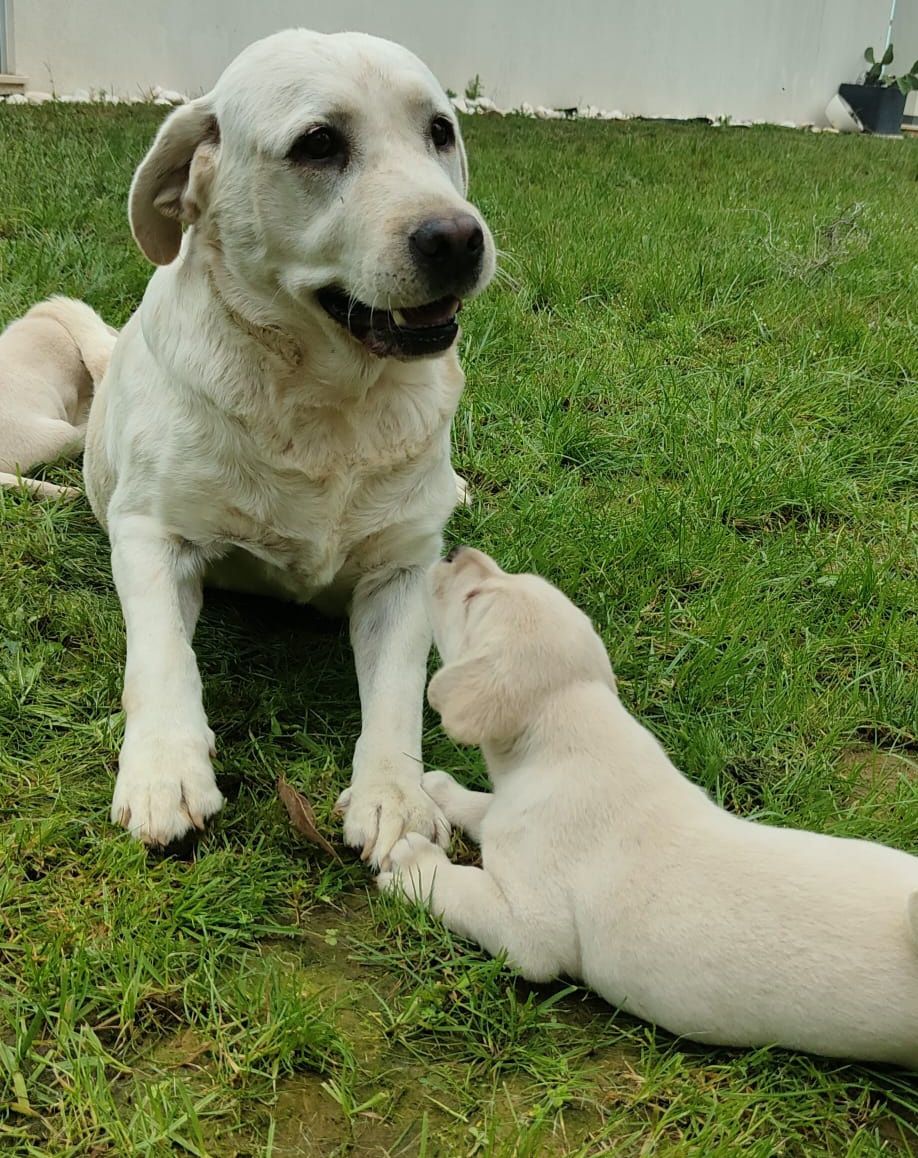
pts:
pixel 319 144
pixel 442 132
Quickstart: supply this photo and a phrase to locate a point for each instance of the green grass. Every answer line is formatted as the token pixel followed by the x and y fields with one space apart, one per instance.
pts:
pixel 692 403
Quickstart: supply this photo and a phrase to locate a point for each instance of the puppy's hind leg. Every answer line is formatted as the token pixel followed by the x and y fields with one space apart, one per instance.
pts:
pixel 37 486
pixel 461 806
pixel 46 439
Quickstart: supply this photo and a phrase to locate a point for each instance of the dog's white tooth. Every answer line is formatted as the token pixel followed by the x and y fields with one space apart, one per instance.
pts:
pixel 399 317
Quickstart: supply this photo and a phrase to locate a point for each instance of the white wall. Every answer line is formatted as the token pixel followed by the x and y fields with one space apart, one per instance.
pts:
pixel 769 59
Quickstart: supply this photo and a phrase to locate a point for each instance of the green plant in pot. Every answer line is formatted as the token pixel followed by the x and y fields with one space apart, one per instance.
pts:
pixel 879 100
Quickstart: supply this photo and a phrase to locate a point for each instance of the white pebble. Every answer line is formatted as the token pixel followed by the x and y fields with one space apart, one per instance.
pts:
pixel 460 104
pixel 17 98
pixel 38 98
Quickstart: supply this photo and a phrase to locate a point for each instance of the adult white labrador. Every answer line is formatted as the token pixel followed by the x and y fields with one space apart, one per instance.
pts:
pixel 276 415
pixel 601 861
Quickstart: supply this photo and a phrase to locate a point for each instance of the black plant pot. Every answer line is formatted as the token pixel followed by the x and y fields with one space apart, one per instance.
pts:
pixel 879 109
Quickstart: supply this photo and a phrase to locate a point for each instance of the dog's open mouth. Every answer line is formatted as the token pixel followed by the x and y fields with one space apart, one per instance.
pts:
pixel 411 332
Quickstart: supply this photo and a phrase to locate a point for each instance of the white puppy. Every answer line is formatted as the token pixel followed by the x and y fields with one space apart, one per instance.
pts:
pixel 49 362
pixel 276 417
pixel 602 862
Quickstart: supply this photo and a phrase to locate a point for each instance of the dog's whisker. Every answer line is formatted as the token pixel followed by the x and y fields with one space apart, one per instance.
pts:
pixel 505 256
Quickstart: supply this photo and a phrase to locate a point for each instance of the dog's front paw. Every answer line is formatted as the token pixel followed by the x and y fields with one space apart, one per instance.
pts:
pixel 165 786
pixel 415 862
pixel 378 813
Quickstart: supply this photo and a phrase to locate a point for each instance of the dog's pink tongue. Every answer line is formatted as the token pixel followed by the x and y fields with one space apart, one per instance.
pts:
pixel 433 314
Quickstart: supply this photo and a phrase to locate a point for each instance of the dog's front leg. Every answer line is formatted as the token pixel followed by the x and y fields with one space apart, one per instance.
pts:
pixel 391 638
pixel 165 785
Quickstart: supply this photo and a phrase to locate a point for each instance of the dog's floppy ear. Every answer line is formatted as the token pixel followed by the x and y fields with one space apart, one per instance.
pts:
pixel 492 694
pixel 476 706
pixel 463 162
pixel 462 693
pixel 173 179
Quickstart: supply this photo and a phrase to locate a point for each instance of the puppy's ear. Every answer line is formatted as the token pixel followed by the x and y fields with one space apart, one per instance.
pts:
pixel 173 180
pixel 475 705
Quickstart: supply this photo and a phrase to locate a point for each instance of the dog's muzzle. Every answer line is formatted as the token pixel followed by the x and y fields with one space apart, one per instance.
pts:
pixel 411 332
pixel 448 254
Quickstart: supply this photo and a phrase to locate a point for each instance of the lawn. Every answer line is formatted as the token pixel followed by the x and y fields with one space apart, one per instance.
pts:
pixel 692 403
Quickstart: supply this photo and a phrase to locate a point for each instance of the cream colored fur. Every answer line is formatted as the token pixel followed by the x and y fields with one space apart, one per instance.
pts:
pixel 242 438
pixel 601 861
pixel 50 359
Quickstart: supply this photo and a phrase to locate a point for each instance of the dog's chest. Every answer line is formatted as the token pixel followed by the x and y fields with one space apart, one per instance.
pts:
pixel 322 490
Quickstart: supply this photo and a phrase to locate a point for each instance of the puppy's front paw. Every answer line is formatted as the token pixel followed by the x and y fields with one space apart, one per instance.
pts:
pixel 165 786
pixel 377 814
pixel 440 787
pixel 415 862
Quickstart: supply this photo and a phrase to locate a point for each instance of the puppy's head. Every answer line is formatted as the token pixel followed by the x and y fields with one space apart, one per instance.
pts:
pixel 507 642
pixel 329 174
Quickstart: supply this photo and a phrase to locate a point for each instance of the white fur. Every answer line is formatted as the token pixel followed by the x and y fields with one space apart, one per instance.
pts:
pixel 602 862
pixel 242 438
pixel 50 359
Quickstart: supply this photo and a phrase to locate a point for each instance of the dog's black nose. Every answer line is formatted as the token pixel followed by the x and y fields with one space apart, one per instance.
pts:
pixel 452 553
pixel 448 247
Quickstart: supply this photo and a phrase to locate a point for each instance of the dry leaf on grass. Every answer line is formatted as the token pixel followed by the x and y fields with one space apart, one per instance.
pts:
pixel 302 816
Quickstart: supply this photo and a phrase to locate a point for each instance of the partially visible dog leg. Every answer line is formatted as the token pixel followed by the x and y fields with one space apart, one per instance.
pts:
pixel 462 807
pixel 391 637
pixel 463 491
pixel 470 903
pixel 165 786
pixel 37 486
pixel 48 439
